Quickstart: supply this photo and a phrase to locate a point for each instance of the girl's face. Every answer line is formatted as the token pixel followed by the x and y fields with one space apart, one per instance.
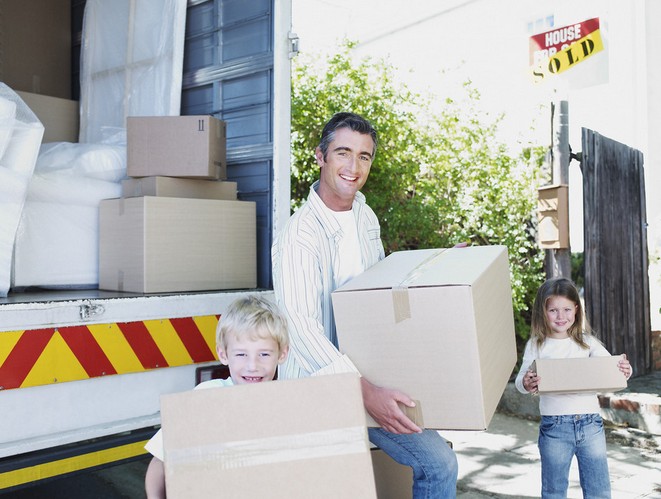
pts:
pixel 560 315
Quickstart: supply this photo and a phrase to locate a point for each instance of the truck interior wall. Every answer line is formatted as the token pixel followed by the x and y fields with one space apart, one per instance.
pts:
pixel 228 73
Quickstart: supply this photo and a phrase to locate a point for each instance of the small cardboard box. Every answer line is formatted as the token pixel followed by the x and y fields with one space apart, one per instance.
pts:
pixel 297 439
pixel 178 188
pixel 589 374
pixel 160 244
pixel 437 325
pixel 176 146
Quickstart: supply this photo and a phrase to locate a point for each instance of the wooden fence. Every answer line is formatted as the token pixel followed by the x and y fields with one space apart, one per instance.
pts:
pixel 615 248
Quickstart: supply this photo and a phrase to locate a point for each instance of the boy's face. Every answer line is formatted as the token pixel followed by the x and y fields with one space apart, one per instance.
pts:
pixel 251 360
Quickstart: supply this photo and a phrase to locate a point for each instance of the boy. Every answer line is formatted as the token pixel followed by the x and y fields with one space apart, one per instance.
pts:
pixel 252 340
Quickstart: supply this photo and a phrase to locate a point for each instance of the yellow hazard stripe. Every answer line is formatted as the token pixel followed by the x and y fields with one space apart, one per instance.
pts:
pixel 70 464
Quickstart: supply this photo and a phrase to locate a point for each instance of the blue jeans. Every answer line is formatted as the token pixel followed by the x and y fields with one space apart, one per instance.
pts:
pixel 434 463
pixel 580 435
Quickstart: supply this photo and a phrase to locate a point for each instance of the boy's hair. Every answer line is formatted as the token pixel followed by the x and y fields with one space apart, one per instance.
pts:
pixel 540 328
pixel 255 317
pixel 346 120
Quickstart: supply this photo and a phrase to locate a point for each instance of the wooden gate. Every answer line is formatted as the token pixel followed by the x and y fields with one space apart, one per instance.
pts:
pixel 615 248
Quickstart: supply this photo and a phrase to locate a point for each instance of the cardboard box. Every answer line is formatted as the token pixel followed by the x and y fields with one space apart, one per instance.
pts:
pixel 176 146
pixel 393 480
pixel 589 374
pixel 160 244
pixel 297 439
pixel 553 216
pixel 436 324
pixel 35 38
pixel 60 117
pixel 178 188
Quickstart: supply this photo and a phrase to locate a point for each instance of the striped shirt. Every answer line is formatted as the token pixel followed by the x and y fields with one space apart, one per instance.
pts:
pixel 306 263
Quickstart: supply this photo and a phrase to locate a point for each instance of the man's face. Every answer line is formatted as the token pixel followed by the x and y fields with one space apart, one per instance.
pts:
pixel 345 169
pixel 251 360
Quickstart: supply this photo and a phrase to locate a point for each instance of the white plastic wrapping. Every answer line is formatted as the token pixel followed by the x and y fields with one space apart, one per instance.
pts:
pixel 57 239
pixel 131 63
pixel 20 135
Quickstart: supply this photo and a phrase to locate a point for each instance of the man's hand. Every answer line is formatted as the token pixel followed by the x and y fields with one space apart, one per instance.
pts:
pixel 382 405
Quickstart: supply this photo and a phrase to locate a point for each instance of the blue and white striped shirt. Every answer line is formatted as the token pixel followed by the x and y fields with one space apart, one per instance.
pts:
pixel 306 261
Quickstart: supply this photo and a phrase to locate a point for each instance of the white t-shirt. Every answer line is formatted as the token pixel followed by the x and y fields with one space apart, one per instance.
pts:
pixel 155 444
pixel 351 263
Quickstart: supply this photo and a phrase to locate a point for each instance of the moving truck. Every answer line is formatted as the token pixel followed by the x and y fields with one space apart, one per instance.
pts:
pixel 82 370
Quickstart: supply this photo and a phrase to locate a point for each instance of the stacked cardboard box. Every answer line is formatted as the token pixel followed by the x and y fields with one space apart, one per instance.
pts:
pixel 178 226
pixel 437 325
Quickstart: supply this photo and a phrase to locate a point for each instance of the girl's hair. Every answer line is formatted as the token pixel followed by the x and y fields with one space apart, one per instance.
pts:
pixel 254 317
pixel 540 327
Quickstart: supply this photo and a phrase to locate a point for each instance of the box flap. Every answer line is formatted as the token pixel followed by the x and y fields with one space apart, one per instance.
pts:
pixel 429 267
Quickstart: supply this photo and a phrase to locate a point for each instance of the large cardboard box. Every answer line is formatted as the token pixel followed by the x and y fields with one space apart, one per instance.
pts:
pixel 297 439
pixel 178 188
pixel 35 46
pixel 436 324
pixel 160 244
pixel 393 480
pixel 176 146
pixel 590 374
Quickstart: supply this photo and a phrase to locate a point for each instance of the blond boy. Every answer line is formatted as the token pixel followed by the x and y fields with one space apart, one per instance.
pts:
pixel 252 340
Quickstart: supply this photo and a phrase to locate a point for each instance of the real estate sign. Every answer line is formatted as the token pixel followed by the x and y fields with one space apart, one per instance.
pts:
pixel 565 48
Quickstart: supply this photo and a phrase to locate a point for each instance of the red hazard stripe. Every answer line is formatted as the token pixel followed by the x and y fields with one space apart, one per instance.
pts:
pixel 192 338
pixel 87 350
pixel 23 356
pixel 143 344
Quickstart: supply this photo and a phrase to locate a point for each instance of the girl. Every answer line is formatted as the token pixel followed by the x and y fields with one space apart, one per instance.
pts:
pixel 571 424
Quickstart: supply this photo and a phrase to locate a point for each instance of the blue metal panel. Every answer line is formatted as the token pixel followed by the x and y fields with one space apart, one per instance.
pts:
pixel 228 73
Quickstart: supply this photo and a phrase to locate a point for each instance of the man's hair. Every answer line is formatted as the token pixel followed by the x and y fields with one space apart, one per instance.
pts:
pixel 346 120
pixel 254 317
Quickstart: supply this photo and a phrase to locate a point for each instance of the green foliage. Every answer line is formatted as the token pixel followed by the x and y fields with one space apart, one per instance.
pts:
pixel 438 178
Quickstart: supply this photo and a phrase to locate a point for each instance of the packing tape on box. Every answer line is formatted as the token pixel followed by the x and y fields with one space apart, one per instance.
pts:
pixel 270 450
pixel 400 293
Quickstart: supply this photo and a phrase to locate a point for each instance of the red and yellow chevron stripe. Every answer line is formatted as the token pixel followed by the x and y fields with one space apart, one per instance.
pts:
pixel 55 355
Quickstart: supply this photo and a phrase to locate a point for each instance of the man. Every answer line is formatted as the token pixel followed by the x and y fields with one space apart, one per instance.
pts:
pixel 333 237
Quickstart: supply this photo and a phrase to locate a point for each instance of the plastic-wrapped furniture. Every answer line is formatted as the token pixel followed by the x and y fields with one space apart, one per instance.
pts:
pixel 20 136
pixel 131 63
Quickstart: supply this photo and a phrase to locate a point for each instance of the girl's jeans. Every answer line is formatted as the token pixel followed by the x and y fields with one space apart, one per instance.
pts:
pixel 434 463
pixel 562 437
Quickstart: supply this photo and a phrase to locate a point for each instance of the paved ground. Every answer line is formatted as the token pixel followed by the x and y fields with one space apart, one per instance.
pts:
pixel 503 462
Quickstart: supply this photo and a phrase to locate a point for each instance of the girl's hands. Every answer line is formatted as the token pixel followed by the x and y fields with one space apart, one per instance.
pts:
pixel 625 366
pixel 531 381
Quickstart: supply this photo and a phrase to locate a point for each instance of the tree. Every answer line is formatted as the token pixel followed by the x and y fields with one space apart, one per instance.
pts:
pixel 437 178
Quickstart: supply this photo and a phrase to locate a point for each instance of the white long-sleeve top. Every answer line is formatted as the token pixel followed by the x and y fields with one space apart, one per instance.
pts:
pixel 558 404
pixel 306 266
